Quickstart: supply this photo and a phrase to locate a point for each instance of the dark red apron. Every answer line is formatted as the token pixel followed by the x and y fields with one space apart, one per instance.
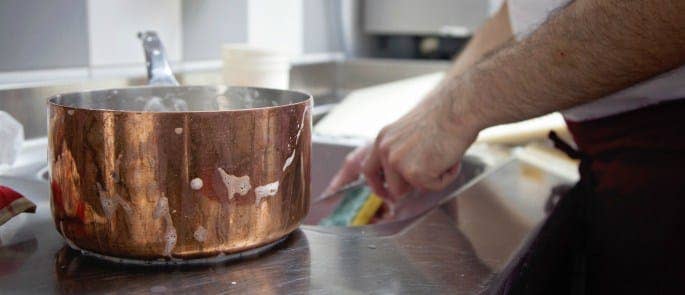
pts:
pixel 621 228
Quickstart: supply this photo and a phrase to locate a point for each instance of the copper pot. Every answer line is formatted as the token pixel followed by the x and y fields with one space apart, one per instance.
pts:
pixel 165 172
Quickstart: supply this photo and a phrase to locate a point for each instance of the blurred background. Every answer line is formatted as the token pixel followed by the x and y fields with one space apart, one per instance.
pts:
pixel 66 40
pixel 365 63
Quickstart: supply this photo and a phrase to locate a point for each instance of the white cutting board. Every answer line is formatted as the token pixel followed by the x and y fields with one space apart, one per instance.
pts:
pixel 364 112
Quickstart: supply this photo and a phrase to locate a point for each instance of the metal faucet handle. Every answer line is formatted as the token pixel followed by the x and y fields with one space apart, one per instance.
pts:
pixel 158 69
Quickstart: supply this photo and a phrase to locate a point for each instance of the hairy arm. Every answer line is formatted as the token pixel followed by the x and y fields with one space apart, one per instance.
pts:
pixel 492 35
pixel 587 50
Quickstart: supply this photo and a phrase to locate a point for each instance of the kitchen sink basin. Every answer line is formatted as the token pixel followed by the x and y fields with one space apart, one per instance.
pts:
pixel 456 247
pixel 455 241
pixel 327 158
pixel 328 155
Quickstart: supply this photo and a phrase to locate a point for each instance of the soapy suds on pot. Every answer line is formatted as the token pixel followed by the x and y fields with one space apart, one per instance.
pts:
pixel 234 184
pixel 267 190
pixel 289 160
pixel 110 203
pixel 170 237
pixel 200 234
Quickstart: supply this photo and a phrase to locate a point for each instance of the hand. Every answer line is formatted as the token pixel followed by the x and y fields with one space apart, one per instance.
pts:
pixel 350 171
pixel 422 150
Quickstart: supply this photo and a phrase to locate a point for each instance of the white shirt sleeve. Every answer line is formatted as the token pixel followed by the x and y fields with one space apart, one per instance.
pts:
pixel 527 15
pixel 494 6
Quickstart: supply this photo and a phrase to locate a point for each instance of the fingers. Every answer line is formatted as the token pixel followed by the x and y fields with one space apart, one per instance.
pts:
pixel 392 178
pixel 350 170
pixel 448 177
pixel 395 183
pixel 406 156
pixel 419 179
pixel 439 182
pixel 373 172
pixel 343 176
pixel 454 170
pixel 358 155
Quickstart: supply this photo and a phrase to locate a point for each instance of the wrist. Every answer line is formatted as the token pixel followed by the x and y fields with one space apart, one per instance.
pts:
pixel 465 108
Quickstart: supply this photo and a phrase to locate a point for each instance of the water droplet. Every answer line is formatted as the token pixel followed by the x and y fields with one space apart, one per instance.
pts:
pixel 196 184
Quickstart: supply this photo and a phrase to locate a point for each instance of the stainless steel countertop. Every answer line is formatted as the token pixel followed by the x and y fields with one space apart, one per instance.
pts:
pixel 456 248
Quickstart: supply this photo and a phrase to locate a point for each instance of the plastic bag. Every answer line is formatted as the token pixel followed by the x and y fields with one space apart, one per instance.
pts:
pixel 11 138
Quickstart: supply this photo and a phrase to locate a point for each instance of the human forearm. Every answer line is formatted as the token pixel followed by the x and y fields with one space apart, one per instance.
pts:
pixel 492 35
pixel 587 50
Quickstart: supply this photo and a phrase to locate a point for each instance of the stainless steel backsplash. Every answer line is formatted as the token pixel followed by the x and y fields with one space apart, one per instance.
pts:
pixel 328 82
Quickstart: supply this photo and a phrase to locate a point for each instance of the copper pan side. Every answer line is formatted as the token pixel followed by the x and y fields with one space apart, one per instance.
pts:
pixel 225 170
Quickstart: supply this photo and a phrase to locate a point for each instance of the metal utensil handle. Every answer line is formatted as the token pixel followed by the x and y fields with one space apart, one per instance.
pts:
pixel 158 69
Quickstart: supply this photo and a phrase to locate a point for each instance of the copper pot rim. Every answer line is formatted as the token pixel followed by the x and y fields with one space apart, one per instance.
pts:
pixel 303 99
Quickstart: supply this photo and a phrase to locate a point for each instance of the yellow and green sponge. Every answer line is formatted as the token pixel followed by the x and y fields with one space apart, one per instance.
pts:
pixel 357 207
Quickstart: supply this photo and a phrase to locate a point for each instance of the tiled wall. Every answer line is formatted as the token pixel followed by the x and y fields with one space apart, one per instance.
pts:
pixel 76 39
pixel 425 16
pixel 276 24
pixel 85 38
pixel 38 34
pixel 298 26
pixel 112 28
pixel 208 24
pixel 322 26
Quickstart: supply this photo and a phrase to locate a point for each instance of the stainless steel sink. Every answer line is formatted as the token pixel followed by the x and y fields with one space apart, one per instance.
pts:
pixel 457 247
pixel 327 157
pixel 453 242
pixel 328 82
